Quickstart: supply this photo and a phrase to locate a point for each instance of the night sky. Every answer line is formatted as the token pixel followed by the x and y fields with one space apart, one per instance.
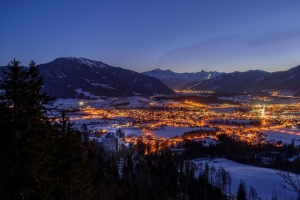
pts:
pixel 184 36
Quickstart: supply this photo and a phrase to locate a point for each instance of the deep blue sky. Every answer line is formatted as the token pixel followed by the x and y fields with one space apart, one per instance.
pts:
pixel 184 36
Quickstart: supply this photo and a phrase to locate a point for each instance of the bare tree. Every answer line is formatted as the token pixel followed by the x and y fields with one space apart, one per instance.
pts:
pixel 252 193
pixel 290 181
pixel 229 183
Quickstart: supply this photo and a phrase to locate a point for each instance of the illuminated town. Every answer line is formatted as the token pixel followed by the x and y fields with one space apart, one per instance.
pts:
pixel 162 122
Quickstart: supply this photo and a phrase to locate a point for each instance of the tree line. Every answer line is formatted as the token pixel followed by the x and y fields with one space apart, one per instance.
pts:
pixel 264 155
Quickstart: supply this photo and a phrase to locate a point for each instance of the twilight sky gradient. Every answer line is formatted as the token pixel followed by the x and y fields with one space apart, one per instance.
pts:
pixel 184 36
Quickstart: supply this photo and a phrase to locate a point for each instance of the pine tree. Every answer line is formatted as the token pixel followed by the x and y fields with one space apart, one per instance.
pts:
pixel 23 126
pixel 22 94
pixel 241 193
pixel 14 86
pixel 37 102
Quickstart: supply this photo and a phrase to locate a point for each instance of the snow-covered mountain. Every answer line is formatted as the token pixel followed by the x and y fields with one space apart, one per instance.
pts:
pixel 83 78
pixel 252 80
pixel 177 80
pixel 230 82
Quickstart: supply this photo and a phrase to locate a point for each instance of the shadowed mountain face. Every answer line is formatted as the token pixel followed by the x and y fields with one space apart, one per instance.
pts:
pixel 177 80
pixel 253 80
pixel 84 78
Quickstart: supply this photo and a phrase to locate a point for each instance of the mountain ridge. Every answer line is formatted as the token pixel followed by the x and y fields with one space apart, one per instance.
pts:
pixel 251 80
pixel 176 80
pixel 71 77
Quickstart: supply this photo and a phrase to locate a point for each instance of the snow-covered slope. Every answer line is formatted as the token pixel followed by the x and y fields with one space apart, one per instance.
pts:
pixel 265 181
pixel 177 80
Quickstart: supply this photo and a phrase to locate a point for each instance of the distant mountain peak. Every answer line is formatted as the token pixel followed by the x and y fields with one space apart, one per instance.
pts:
pixel 257 70
pixel 161 70
pixel 177 80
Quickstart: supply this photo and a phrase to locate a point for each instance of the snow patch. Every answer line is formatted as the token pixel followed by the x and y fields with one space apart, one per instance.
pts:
pixel 264 180
pixel 92 63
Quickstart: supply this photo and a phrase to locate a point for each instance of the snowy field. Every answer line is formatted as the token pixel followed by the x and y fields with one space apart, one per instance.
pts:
pixel 282 133
pixel 109 102
pixel 207 141
pixel 111 125
pixel 265 181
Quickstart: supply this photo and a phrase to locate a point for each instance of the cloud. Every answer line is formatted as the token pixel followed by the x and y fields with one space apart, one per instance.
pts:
pixel 234 53
pixel 274 37
pixel 206 55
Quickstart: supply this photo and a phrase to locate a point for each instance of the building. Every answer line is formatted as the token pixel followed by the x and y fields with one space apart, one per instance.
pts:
pixel 112 142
